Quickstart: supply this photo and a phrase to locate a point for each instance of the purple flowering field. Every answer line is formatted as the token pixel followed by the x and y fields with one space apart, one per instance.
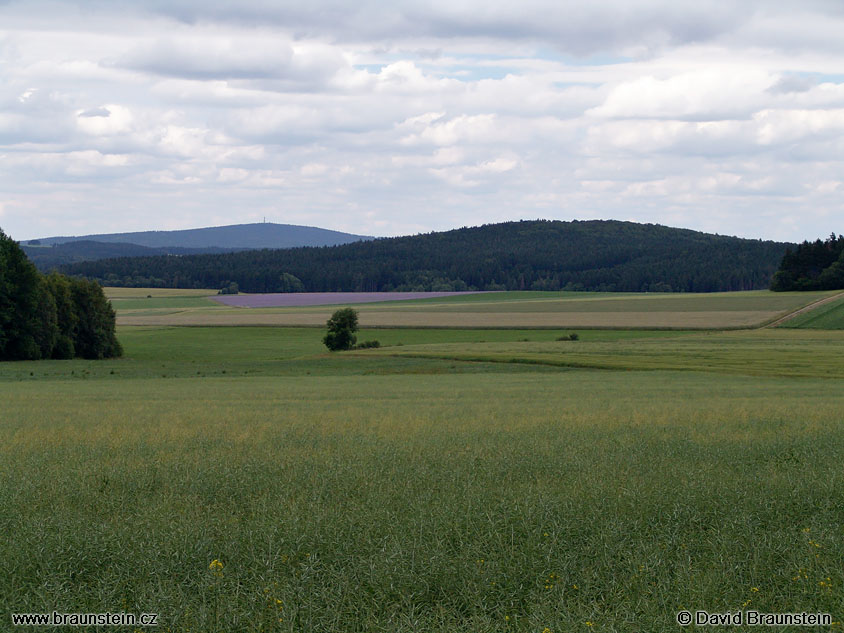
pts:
pixel 296 299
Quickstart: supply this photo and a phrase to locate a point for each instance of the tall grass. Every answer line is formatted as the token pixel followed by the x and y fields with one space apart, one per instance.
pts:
pixel 794 353
pixel 411 500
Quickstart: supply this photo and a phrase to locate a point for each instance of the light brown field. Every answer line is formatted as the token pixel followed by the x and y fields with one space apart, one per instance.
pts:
pixel 140 293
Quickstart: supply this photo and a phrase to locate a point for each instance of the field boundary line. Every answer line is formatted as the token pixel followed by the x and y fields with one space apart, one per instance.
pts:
pixel 599 366
pixel 807 308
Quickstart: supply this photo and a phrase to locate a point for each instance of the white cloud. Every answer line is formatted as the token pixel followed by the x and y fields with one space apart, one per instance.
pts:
pixel 419 115
pixel 707 94
pixel 793 126
pixel 313 170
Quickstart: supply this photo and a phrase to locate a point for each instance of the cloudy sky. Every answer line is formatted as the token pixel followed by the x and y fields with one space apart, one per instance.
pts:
pixel 389 118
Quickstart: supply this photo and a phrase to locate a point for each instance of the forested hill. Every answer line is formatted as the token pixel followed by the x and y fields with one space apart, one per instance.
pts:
pixel 540 255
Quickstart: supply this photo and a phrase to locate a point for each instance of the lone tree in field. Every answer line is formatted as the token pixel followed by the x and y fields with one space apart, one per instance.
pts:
pixel 341 330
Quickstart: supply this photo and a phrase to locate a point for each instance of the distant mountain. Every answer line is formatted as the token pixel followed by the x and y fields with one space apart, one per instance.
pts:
pixel 236 236
pixel 46 258
pixel 528 255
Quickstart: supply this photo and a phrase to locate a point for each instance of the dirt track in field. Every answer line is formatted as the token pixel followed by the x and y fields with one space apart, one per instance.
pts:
pixel 807 308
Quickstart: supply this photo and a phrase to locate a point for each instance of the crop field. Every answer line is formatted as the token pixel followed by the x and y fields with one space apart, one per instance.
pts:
pixel 244 479
pixel 494 310
pixel 156 293
pixel 772 353
pixel 826 317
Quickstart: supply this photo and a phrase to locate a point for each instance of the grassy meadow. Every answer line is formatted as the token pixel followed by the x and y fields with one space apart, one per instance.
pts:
pixel 826 317
pixel 452 480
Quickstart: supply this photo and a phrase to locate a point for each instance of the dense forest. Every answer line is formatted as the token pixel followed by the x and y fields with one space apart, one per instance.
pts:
pixel 817 265
pixel 528 255
pixel 50 316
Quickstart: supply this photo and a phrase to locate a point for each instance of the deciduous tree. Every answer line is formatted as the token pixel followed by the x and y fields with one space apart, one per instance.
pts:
pixel 341 330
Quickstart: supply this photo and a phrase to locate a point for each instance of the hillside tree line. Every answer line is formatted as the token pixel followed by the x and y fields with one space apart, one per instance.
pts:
pixel 51 316
pixel 527 255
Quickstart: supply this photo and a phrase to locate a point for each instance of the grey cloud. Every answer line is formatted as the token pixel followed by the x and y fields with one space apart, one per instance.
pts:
pixel 210 59
pixel 792 83
pixel 101 112
pixel 264 62
pixel 582 28
pixel 574 27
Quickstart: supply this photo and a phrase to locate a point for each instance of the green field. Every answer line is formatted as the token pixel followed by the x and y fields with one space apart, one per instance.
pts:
pixel 452 480
pixel 825 317
pixel 140 304
pixel 759 352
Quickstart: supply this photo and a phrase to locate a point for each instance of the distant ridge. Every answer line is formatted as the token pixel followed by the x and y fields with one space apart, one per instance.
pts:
pixel 235 236
pixel 602 255
pixel 46 258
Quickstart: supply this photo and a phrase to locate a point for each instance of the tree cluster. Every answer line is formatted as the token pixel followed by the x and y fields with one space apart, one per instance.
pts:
pixel 51 316
pixel 817 265
pixel 529 255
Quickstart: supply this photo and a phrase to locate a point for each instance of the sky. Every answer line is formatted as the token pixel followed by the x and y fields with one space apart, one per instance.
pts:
pixel 401 117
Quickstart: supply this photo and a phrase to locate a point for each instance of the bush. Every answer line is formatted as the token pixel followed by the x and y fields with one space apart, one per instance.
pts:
pixel 367 345
pixel 341 330
pixel 569 337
